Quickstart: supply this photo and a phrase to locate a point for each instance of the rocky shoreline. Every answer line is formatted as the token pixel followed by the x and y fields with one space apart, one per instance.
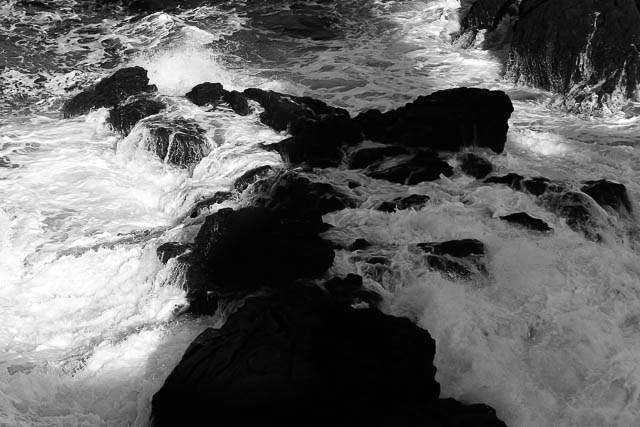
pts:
pixel 304 348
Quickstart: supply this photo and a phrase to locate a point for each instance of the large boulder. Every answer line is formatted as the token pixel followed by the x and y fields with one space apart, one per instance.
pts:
pixel 317 130
pixel 297 359
pixel 176 141
pixel 214 94
pixel 487 15
pixel 583 49
pixel 256 247
pixel 109 91
pixel 123 118
pixel 447 120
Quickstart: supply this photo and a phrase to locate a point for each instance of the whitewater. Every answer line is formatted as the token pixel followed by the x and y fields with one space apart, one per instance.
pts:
pixel 91 322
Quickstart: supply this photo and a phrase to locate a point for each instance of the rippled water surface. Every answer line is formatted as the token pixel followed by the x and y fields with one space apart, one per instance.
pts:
pixel 88 325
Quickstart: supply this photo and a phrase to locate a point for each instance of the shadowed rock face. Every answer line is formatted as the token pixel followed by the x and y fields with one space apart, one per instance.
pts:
pixel 123 118
pixel 525 220
pixel 109 91
pixel 299 359
pixel 583 49
pixel 476 15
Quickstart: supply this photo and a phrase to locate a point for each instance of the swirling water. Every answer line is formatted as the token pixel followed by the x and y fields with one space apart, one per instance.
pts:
pixel 89 324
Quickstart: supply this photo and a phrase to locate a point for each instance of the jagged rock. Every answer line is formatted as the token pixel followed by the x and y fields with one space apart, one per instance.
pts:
pixel 411 171
pixel 296 197
pixel 579 210
pixel 349 289
pixel 458 259
pixel 511 180
pixel 255 247
pixel 204 205
pixel 527 221
pixel 611 196
pixel 109 91
pixel 177 141
pixel 169 250
pixel 251 176
pixel 593 62
pixel 122 118
pixel 359 244
pixel 367 156
pixel 475 166
pixel 476 15
pixel 446 120
pixel 297 358
pixel 318 130
pixel 402 203
pixel 214 93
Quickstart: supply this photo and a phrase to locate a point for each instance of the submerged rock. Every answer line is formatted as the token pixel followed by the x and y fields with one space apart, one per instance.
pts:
pixel 414 170
pixel 123 118
pixel 475 166
pixel 176 141
pixel 592 63
pixel 402 203
pixel 527 221
pixel 367 156
pixel 579 210
pixel 204 205
pixel 109 91
pixel 611 196
pixel 457 259
pixel 296 358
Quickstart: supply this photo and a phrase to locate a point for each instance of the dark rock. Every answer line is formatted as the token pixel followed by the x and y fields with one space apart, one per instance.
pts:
pixel 359 244
pixel 535 185
pixel 350 290
pixel 484 15
pixel 169 250
pixel 177 141
pixel 611 196
pixel 251 176
pixel 475 166
pixel 456 248
pixel 204 205
pixel 457 259
pixel 297 198
pixel 254 247
pixel 579 210
pixel 318 130
pixel 411 171
pixel 367 156
pixel 353 184
pixel 527 221
pixel 446 120
pixel 401 203
pixel 5 162
pixel 238 102
pixel 300 360
pixel 593 62
pixel 206 93
pixel 214 94
pixel 109 91
pixel 511 180
pixel 122 118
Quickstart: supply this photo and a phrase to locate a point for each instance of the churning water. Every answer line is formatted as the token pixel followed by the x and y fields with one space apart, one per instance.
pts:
pixel 89 325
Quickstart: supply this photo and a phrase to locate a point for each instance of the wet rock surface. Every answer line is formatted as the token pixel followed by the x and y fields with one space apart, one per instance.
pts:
pixel 591 63
pixel 457 259
pixel 413 170
pixel 109 91
pixel 612 196
pixel 475 166
pixel 214 93
pixel 415 201
pixel 176 141
pixel 525 220
pixel 123 118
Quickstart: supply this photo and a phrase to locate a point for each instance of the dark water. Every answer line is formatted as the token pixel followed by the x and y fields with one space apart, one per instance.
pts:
pixel 88 326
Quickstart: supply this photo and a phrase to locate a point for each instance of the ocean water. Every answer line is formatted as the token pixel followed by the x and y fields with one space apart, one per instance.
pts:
pixel 89 318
